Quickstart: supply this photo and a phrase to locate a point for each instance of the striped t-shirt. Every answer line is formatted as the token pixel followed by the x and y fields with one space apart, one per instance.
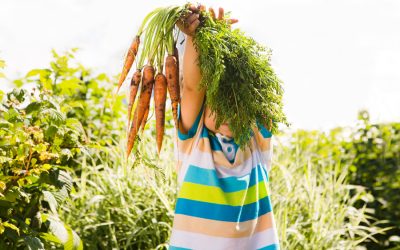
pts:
pixel 223 200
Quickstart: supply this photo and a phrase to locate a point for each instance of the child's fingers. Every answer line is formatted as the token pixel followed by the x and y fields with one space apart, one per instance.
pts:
pixel 194 26
pixel 185 23
pixel 220 13
pixel 232 21
pixel 193 8
pixel 192 18
pixel 185 16
pixel 202 7
pixel 212 12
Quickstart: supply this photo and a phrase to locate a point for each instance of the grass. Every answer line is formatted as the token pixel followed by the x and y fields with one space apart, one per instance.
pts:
pixel 130 205
pixel 313 202
pixel 124 205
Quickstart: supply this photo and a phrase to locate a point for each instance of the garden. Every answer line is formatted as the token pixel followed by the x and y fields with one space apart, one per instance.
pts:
pixel 66 182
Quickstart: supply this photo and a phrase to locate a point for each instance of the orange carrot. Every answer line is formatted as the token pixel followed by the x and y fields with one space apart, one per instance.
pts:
pixel 129 59
pixel 160 96
pixel 171 72
pixel 145 93
pixel 144 120
pixel 176 54
pixel 132 134
pixel 133 91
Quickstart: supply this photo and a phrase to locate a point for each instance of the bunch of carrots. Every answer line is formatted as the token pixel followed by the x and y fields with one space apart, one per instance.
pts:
pixel 160 38
pixel 235 72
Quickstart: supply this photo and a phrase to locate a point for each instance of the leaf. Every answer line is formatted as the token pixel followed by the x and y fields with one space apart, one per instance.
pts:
pixel 50 237
pixel 18 83
pixel 54 66
pixel 18 94
pixel 50 131
pixel 4 159
pixel 70 86
pixel 74 49
pixel 45 79
pixel 53 116
pixel 74 241
pixel 12 115
pixel 65 179
pixel 2 186
pixel 103 77
pixel 12 226
pixel 75 124
pixel 33 106
pixel 11 195
pixel 61 194
pixel 33 243
pixel 48 196
pixel 53 104
pixel 33 72
pixel 69 245
pixel 58 229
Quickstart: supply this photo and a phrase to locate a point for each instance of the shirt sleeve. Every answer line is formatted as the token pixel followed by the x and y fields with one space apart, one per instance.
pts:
pixel 192 131
pixel 184 142
pixel 263 138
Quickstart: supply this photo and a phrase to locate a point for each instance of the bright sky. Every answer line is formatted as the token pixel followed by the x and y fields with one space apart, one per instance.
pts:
pixel 335 57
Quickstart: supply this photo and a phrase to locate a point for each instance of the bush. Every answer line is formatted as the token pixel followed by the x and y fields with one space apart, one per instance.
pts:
pixel 82 95
pixel 311 194
pixel 66 92
pixel 36 142
pixel 376 165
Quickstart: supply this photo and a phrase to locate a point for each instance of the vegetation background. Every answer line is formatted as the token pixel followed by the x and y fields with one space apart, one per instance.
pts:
pixel 65 181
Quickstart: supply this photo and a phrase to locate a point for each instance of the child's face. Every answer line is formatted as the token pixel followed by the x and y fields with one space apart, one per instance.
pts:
pixel 209 122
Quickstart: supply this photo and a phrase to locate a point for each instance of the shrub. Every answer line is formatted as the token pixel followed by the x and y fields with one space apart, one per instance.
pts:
pixel 376 165
pixel 82 95
pixel 36 142
pixel 313 202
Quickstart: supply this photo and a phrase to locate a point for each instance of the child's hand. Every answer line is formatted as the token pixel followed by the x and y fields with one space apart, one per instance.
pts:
pixel 190 22
pixel 221 15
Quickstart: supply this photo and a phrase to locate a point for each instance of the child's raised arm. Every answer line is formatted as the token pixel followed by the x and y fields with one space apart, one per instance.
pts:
pixel 192 97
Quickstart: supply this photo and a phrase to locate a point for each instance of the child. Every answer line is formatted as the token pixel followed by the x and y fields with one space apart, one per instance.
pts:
pixel 223 200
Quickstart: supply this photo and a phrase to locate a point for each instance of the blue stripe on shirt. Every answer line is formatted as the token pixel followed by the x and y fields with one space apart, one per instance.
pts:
pixel 221 212
pixel 264 131
pixel 270 247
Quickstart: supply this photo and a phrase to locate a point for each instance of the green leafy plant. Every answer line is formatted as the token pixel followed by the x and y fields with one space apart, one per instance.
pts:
pixel 375 164
pixel 317 179
pixel 2 66
pixel 36 142
pixel 123 204
pixel 314 201
pixel 82 95
pixel 241 86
